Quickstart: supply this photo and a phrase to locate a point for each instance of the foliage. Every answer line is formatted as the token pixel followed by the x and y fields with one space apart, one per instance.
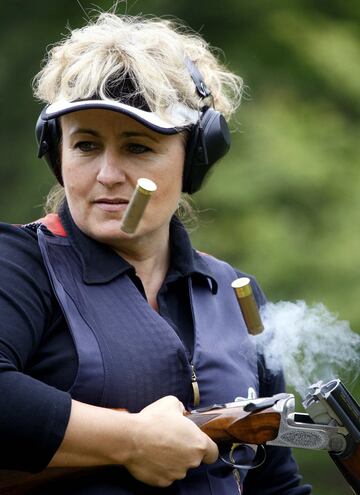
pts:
pixel 283 204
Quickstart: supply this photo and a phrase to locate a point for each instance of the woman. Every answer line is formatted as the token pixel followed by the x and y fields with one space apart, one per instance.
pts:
pixel 95 320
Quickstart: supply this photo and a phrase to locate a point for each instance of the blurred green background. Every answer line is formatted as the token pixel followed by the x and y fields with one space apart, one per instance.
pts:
pixel 284 204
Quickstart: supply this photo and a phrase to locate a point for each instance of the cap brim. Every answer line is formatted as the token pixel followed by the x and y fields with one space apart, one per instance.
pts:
pixel 181 115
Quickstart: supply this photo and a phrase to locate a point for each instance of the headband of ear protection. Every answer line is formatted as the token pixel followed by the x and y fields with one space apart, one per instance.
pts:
pixel 209 139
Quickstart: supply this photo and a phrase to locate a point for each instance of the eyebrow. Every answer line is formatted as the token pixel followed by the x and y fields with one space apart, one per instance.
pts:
pixel 125 134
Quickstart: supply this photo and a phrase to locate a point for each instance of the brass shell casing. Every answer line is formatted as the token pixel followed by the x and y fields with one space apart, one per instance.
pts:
pixel 248 306
pixel 137 205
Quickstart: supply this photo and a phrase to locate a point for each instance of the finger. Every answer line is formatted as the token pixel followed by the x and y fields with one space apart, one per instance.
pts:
pixel 212 452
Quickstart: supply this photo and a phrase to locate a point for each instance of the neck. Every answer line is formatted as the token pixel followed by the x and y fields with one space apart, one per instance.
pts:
pixel 151 259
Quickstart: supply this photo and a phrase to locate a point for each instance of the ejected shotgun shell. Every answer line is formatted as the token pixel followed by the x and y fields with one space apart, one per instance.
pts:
pixel 137 205
pixel 248 306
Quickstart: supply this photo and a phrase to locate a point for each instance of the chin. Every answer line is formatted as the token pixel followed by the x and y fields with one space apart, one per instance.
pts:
pixel 105 232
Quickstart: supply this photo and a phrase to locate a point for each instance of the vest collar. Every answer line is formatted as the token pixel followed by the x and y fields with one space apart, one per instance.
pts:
pixel 100 263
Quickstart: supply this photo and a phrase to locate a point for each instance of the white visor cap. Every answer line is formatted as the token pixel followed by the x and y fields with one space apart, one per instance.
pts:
pixel 177 117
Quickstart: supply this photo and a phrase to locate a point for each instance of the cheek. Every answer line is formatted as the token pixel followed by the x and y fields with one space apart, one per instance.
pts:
pixel 176 172
pixel 170 184
pixel 72 182
pixel 67 170
pixel 77 192
pixel 76 181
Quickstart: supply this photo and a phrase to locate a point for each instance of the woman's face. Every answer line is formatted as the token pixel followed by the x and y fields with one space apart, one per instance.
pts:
pixel 104 153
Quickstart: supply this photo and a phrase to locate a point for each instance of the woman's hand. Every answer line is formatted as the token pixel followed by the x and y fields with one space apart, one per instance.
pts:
pixel 157 445
pixel 165 444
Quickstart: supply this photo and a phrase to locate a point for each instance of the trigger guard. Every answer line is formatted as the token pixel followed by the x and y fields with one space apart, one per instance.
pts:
pixel 256 464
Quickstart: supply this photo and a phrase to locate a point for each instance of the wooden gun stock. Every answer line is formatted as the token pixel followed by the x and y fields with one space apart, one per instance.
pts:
pixel 234 425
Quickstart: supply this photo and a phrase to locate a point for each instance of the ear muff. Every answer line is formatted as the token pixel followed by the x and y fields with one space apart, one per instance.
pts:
pixel 209 141
pixel 48 136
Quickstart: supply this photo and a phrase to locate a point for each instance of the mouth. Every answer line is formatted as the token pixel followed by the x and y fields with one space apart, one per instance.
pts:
pixel 111 204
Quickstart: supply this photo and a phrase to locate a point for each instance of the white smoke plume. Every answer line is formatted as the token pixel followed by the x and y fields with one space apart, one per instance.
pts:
pixel 309 344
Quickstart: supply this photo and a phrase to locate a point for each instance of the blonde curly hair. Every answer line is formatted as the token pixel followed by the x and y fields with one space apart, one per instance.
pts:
pixel 149 51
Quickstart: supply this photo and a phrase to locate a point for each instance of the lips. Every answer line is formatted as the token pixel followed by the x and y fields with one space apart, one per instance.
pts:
pixel 111 204
pixel 112 201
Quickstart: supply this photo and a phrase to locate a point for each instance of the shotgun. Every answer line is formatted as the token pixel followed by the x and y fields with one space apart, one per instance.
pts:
pixel 331 423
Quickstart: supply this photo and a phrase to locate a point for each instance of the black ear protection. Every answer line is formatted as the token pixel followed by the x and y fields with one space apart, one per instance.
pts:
pixel 48 135
pixel 209 139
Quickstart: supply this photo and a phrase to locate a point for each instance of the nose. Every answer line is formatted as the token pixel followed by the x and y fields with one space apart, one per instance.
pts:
pixel 111 170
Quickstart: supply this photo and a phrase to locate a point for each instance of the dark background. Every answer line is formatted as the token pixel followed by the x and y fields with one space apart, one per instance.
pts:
pixel 284 204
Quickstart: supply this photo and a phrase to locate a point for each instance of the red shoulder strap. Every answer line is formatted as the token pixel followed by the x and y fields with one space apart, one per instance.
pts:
pixel 53 223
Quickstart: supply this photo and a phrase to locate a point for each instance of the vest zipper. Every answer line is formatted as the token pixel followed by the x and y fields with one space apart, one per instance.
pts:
pixel 195 386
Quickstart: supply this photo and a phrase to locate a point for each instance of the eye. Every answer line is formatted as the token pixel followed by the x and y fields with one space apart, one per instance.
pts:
pixel 85 146
pixel 138 148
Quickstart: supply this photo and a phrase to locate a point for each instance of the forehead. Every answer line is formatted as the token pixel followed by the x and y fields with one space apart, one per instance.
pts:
pixel 101 120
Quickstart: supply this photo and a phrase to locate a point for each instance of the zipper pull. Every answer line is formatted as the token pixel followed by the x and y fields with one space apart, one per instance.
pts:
pixel 195 386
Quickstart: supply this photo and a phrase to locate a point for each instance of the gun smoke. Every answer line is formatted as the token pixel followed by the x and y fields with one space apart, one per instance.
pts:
pixel 308 343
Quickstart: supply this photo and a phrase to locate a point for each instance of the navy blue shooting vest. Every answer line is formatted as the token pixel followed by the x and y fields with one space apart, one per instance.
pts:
pixel 129 356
